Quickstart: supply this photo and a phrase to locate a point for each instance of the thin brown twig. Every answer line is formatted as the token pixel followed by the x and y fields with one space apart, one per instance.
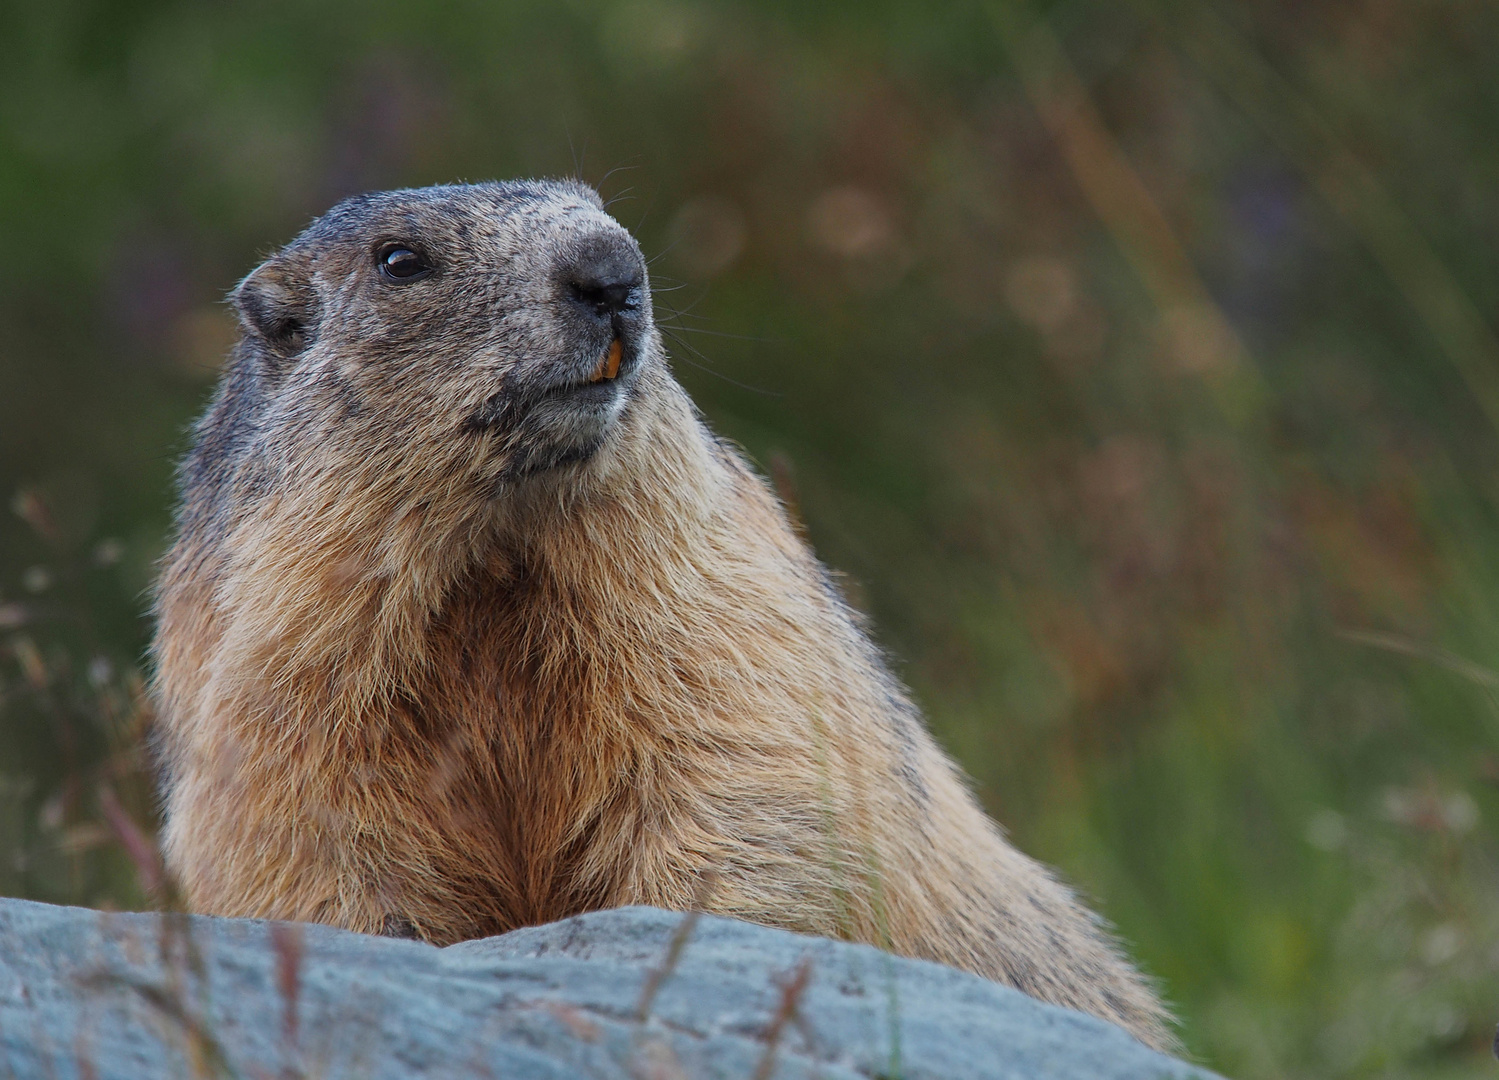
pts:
pixel 660 974
pixel 290 947
pixel 141 849
pixel 204 1046
pixel 1406 646
pixel 792 989
pixel 706 883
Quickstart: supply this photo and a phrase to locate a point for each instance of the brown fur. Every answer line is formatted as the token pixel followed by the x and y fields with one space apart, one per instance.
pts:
pixel 398 682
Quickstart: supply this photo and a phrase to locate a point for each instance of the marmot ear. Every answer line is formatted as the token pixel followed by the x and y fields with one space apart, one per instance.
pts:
pixel 278 306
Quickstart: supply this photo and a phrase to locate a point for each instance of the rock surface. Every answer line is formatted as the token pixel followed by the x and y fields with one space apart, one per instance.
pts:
pixel 634 993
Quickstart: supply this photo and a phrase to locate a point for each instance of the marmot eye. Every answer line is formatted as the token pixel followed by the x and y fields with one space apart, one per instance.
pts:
pixel 400 263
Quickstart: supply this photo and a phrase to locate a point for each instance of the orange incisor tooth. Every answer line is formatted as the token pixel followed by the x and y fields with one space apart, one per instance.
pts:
pixel 608 363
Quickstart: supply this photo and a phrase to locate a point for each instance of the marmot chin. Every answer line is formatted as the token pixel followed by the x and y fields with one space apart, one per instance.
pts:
pixel 470 624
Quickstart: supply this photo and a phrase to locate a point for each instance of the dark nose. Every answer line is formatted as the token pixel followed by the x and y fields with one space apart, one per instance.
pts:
pixel 605 277
pixel 606 295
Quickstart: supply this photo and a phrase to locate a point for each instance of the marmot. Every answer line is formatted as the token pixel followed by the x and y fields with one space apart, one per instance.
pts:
pixel 470 623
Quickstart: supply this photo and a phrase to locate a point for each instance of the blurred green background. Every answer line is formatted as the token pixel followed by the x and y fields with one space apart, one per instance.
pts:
pixel 1135 364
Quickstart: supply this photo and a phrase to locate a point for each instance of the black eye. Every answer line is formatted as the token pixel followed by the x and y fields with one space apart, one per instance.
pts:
pixel 399 263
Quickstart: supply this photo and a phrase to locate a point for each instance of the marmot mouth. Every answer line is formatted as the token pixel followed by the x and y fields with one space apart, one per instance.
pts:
pixel 599 384
pixel 595 390
pixel 602 380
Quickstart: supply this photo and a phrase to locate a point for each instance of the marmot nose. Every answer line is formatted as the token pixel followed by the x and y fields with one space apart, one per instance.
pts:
pixel 605 295
pixel 605 278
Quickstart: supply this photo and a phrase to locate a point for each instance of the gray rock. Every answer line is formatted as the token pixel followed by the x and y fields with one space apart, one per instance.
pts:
pixel 629 993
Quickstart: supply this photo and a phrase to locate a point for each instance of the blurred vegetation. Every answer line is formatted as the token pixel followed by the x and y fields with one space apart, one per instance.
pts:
pixel 1135 364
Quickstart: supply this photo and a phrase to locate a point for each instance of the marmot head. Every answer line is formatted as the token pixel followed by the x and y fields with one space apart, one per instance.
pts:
pixel 500 330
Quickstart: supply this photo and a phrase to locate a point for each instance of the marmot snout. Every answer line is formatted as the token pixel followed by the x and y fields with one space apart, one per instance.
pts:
pixel 471 624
